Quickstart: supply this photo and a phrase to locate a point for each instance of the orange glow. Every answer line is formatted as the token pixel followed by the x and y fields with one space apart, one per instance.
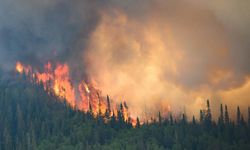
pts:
pixel 19 67
pixel 56 78
pixel 22 69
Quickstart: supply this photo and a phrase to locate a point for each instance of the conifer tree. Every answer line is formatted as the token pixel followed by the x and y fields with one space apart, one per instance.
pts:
pixel 99 104
pixel 208 114
pixel 242 120
pixel 108 105
pixel 113 120
pixel 137 123
pixel 90 111
pixel 226 115
pixel 159 117
pixel 238 116
pixel 120 116
pixel 194 121
pixel 107 114
pixel 221 117
pixel 201 116
pixel 184 119
pixel 90 108
pixel 171 119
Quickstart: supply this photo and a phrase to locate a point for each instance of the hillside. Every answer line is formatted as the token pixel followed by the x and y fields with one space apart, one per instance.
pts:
pixel 30 118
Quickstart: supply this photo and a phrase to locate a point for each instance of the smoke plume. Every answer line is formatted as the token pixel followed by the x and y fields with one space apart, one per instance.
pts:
pixel 156 54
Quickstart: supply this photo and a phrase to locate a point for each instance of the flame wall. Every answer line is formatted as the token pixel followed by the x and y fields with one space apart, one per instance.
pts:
pixel 156 54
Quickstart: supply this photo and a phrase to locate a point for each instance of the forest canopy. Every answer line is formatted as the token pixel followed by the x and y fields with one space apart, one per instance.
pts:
pixel 31 118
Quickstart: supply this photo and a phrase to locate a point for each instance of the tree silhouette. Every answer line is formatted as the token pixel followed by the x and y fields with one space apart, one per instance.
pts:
pixel 159 117
pixel 226 115
pixel 108 105
pixel 201 116
pixel 138 122
pixel 221 117
pixel 193 120
pixel 238 116
pixel 208 115
pixel 171 119
pixel 31 118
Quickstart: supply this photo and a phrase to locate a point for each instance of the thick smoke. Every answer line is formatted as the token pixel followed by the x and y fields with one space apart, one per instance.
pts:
pixel 149 52
pixel 36 32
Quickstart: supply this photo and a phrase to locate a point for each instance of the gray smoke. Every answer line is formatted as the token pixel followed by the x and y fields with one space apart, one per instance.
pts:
pixel 35 32
pixel 213 36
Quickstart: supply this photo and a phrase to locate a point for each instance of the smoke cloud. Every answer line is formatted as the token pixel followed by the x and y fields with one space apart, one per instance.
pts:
pixel 155 54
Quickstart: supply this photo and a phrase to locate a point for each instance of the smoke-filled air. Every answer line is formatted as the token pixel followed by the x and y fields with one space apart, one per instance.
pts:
pixel 153 55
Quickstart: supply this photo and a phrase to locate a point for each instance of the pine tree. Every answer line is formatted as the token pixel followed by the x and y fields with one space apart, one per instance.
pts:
pixel 113 120
pixel 193 121
pixel 107 114
pixel 208 118
pixel 120 116
pixel 242 120
pixel 90 111
pixel 125 105
pixel 171 119
pixel 238 116
pixel 184 119
pixel 221 118
pixel 108 105
pixel 90 108
pixel 201 116
pixel 159 117
pixel 138 123
pixel 99 104
pixel 226 115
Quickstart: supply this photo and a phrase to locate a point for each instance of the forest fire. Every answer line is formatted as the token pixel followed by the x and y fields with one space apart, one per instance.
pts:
pixel 83 96
pixel 22 69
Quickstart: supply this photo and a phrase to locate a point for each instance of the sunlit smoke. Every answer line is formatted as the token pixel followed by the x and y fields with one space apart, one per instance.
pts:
pixel 159 55
pixel 146 64
pixel 56 80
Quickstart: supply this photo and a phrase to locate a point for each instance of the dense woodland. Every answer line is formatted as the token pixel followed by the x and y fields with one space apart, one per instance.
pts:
pixel 31 119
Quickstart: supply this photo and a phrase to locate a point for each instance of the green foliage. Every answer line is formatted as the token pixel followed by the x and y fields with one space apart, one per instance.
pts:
pixel 31 119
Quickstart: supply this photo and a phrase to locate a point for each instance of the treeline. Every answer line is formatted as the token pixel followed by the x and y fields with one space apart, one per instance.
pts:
pixel 31 118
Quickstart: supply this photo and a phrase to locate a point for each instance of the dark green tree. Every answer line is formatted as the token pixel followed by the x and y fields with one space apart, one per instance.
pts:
pixel 238 116
pixel 242 120
pixel 138 123
pixel 184 119
pixel 201 116
pixel 120 116
pixel 48 122
pixel 159 117
pixel 90 112
pixel 221 117
pixel 208 115
pixel 193 120
pixel 171 119
pixel 226 115
pixel 113 122
pixel 108 105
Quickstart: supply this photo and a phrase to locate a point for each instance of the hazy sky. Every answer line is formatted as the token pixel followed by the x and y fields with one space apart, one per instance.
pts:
pixel 149 52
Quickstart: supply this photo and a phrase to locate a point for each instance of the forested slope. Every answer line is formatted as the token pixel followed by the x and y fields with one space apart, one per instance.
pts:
pixel 31 118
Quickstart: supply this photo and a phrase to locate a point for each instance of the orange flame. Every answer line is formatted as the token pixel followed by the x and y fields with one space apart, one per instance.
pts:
pixel 80 96
pixel 22 69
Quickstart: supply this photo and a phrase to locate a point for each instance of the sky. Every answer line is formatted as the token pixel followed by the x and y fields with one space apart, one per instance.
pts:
pixel 167 55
